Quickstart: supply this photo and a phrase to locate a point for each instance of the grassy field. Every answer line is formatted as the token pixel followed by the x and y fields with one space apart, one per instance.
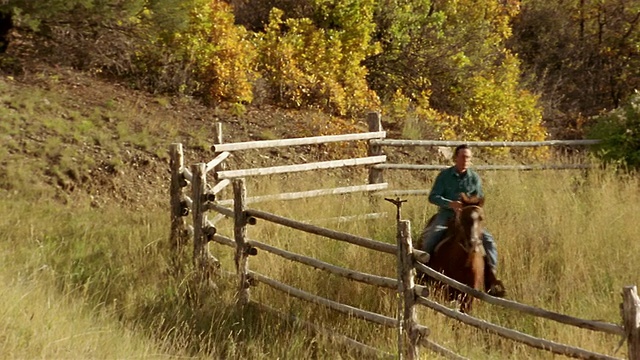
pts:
pixel 98 283
pixel 88 271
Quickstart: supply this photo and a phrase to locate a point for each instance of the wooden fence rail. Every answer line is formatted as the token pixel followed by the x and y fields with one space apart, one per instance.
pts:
pixel 529 340
pixel 369 279
pixel 376 145
pixel 345 309
pixel 483 167
pixel 297 141
pixel 332 164
pixel 310 193
pixel 368 351
pixel 531 310
pixel 365 278
pixel 317 230
pixel 399 142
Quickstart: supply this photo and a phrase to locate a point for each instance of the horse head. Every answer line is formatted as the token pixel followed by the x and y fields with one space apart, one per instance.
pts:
pixel 469 221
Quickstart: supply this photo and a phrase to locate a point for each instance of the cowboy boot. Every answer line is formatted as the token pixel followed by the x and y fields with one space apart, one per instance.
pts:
pixel 494 287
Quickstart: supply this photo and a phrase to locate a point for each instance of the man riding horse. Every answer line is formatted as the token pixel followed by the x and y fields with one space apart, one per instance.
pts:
pixel 449 184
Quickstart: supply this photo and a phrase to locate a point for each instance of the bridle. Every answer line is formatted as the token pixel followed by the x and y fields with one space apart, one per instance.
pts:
pixel 475 243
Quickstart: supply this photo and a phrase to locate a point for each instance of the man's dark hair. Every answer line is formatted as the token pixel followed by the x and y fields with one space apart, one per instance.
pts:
pixel 458 148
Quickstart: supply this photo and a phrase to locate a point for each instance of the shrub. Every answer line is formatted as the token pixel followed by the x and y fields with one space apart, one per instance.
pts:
pixel 222 53
pixel 317 64
pixel 619 131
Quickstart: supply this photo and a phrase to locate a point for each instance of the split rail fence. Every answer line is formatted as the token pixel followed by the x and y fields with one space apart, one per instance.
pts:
pixel 411 334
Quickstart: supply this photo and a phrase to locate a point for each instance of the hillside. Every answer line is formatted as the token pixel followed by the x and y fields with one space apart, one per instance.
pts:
pixel 68 133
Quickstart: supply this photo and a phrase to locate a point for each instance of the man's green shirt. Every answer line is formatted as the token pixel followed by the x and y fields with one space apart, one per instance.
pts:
pixel 449 184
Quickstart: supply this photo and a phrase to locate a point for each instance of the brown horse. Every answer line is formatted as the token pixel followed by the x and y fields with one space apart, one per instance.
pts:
pixel 461 255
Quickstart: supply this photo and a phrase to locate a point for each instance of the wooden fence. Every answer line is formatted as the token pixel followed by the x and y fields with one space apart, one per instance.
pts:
pixel 376 148
pixel 412 335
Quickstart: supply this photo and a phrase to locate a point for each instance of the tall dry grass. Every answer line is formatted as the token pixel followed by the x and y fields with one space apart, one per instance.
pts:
pixel 567 243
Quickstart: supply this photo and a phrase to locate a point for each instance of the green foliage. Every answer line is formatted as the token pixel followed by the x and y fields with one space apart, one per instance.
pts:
pixel 317 64
pixel 493 107
pixel 619 131
pixel 436 46
pixel 447 63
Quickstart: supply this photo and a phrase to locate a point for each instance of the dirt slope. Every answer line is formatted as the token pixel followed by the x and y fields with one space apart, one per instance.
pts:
pixel 73 135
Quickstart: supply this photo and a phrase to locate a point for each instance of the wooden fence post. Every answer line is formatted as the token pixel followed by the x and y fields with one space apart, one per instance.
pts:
pixel 375 124
pixel 178 236
pixel 408 274
pixel 217 140
pixel 200 252
pixel 631 320
pixel 401 289
pixel 240 233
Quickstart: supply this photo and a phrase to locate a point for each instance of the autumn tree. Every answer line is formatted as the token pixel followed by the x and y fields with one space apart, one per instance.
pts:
pixel 584 55
pixel 450 61
pixel 316 61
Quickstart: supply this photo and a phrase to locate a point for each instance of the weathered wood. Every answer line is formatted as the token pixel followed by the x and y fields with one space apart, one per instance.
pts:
pixel 198 188
pixel 217 218
pixel 398 142
pixel 631 320
pixel 407 276
pixel 441 350
pixel 177 236
pixel 240 234
pixel 419 255
pixel 332 234
pixel 561 318
pixel 230 174
pixel 401 313
pixel 187 174
pixel 374 120
pixel 529 340
pixel 217 161
pixel 296 141
pixel 309 193
pixel 347 273
pixel 402 192
pixel 221 239
pixel 366 351
pixel 345 309
pixel 188 201
pixel 485 167
pixel 219 186
pixel 221 209
pixel 341 219
pixel 217 133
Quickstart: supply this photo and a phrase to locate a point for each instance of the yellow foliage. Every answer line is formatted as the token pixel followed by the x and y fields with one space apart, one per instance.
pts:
pixel 315 68
pixel 223 54
pixel 496 110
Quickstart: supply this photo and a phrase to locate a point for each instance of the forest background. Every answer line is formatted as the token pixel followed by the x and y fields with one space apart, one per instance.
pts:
pixel 475 70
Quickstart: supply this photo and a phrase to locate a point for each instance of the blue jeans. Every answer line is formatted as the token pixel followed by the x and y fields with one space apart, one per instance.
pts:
pixel 434 234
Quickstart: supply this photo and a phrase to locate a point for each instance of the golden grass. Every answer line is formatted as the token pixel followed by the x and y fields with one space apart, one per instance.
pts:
pixel 567 242
pixel 98 283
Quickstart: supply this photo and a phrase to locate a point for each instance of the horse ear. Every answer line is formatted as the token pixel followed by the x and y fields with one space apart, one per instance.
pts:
pixel 481 201
pixel 464 198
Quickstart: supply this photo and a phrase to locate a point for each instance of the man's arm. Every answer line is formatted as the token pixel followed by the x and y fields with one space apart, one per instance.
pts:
pixel 479 187
pixel 436 196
